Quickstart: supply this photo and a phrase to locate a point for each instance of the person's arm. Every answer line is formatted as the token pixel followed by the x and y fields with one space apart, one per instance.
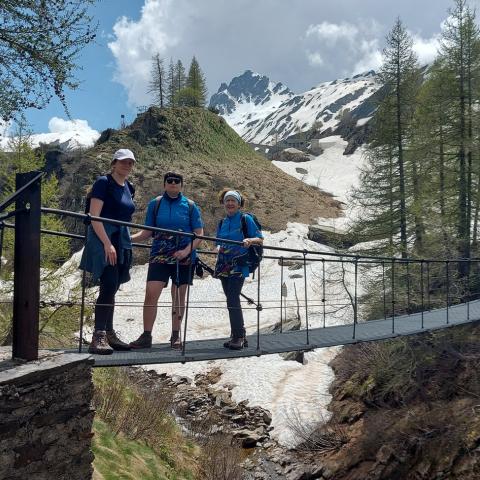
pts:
pixel 141 235
pixel 149 221
pixel 110 253
pixel 248 242
pixel 184 252
pixel 255 236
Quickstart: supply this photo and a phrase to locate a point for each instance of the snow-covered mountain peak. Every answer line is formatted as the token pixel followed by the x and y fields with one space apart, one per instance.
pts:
pixel 263 112
pixel 249 88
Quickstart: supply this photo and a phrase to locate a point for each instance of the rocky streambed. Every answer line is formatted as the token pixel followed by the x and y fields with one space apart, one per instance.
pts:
pixel 205 408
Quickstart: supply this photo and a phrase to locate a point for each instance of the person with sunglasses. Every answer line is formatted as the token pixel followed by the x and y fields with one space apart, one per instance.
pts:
pixel 171 256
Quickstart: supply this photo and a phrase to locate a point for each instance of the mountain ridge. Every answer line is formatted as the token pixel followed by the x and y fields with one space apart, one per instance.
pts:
pixel 279 115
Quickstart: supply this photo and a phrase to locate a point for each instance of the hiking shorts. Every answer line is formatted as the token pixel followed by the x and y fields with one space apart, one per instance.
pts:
pixel 162 272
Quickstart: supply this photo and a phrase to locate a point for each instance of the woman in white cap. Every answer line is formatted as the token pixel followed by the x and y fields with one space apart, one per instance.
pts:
pixel 108 250
pixel 231 267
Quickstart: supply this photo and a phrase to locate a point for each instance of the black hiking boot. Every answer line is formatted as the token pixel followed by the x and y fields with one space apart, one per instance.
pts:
pixel 236 343
pixel 99 344
pixel 143 341
pixel 116 343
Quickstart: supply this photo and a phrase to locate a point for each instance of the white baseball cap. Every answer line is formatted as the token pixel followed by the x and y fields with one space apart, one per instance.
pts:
pixel 124 154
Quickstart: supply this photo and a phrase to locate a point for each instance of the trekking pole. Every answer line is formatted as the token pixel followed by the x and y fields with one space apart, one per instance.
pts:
pixel 249 300
pixel 177 283
pixel 188 295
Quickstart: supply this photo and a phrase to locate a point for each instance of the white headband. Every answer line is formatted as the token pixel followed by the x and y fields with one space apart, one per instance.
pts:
pixel 234 194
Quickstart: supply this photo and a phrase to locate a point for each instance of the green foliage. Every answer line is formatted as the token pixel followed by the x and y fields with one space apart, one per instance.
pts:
pixel 196 83
pixel 189 97
pixel 137 424
pixel 22 158
pixel 39 46
pixel 58 324
pixel 398 372
pixel 116 456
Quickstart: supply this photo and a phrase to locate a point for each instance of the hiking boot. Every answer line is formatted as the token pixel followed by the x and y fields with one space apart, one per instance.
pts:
pixel 143 341
pixel 99 344
pixel 176 342
pixel 245 341
pixel 236 343
pixel 116 343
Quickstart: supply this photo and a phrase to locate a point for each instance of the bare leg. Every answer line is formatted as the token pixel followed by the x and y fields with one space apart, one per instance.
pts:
pixel 152 294
pixel 178 306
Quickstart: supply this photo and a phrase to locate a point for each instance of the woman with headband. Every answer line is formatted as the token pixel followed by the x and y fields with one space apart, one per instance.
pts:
pixel 232 267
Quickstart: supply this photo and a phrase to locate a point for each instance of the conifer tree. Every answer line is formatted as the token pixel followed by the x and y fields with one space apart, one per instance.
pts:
pixel 384 187
pixel 460 60
pixel 180 77
pixel 158 82
pixel 171 87
pixel 196 82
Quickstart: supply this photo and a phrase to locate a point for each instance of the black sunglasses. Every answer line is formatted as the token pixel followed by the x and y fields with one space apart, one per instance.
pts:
pixel 173 180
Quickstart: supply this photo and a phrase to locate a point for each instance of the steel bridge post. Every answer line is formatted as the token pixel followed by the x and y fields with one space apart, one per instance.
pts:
pixel 393 295
pixel 26 285
pixel 306 297
pixel 281 295
pixel 2 231
pixel 323 293
pixel 355 301
pixel 448 290
pixel 84 285
pixel 422 288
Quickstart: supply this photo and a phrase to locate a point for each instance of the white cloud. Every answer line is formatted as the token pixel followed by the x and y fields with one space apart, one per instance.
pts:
pixel 314 59
pixel 59 125
pixel 73 133
pixel 426 49
pixel 331 33
pixel 370 56
pixel 357 44
pixel 136 41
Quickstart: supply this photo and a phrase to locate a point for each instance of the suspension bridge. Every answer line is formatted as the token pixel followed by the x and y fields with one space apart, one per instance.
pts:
pixel 414 295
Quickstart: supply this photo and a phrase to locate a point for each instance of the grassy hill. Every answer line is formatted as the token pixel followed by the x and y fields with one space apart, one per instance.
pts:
pixel 200 145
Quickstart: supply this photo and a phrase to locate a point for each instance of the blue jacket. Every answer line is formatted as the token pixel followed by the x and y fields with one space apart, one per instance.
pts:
pixel 93 257
pixel 230 256
pixel 173 214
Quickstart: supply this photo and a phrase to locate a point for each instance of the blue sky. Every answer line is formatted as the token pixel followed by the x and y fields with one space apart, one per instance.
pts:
pixel 300 43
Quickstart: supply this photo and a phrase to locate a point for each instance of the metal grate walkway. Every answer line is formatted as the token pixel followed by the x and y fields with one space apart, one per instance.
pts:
pixel 197 350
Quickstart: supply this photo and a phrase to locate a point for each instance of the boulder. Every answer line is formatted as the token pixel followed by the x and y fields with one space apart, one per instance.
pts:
pixel 327 235
pixel 293 155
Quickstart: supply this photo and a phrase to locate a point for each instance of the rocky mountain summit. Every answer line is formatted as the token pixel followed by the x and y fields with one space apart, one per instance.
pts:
pixel 264 112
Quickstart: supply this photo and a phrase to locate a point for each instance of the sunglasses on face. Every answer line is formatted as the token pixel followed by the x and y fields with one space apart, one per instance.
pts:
pixel 173 180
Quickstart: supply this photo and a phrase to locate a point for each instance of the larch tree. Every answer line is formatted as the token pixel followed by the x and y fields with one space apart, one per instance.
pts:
pixel 40 41
pixel 158 81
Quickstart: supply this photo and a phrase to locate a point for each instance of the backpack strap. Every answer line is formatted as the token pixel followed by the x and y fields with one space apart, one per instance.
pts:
pixel 158 201
pixel 191 204
pixel 243 219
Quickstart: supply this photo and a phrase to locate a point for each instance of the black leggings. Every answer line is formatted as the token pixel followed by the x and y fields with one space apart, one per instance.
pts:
pixel 109 284
pixel 232 287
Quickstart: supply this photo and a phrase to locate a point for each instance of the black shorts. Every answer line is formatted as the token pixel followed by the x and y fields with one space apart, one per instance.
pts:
pixel 161 272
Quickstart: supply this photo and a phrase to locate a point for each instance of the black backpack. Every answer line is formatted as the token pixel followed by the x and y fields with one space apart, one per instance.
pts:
pixel 255 252
pixel 110 189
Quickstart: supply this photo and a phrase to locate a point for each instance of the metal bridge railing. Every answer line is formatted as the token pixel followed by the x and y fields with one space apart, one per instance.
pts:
pixel 403 285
